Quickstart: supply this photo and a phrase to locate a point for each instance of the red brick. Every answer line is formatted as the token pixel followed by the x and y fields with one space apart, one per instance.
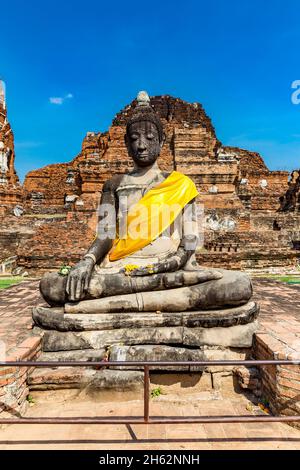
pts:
pixel 292 384
pixel 287 392
pixel 293 368
pixel 290 374
pixel 32 342
pixel 6 381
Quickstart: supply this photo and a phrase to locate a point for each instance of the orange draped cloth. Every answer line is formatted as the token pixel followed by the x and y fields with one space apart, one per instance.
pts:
pixel 153 214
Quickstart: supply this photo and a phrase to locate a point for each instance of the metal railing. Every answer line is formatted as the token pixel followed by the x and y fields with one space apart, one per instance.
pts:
pixel 146 419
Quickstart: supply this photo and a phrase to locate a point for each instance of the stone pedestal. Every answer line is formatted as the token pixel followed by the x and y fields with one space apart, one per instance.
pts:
pixel 139 336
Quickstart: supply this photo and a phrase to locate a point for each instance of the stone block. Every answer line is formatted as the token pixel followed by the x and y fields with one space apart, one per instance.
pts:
pixel 93 355
pixel 62 377
pixel 239 336
pixel 170 353
pixel 58 341
pixel 117 380
pixel 221 318
pixel 83 378
pixel 150 352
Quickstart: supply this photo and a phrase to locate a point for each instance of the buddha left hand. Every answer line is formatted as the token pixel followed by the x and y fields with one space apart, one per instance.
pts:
pixel 173 264
pixel 148 270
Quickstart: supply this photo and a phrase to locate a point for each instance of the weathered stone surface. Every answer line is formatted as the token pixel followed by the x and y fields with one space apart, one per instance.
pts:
pixel 169 353
pixel 222 317
pixel 239 336
pixel 50 318
pixel 75 355
pixel 59 341
pixel 55 341
pixel 152 352
pixel 54 378
pixel 117 379
pixel 213 353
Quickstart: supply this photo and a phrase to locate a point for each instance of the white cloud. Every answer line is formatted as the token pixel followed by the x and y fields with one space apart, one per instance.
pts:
pixel 59 100
pixel 27 144
pixel 56 100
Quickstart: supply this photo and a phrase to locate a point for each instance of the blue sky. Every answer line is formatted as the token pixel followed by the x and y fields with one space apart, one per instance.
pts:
pixel 237 58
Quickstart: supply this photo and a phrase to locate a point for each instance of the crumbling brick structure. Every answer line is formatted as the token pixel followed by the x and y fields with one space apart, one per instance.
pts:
pixel 10 189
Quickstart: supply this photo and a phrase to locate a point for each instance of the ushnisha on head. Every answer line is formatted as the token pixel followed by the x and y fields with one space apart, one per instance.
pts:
pixel 144 133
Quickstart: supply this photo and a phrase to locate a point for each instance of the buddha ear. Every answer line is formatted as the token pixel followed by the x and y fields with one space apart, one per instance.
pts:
pixel 162 140
pixel 126 141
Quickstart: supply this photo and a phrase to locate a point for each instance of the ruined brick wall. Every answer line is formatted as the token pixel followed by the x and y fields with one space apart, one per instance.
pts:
pixel 54 244
pixel 46 190
pixel 266 189
pixel 249 161
pixel 13 232
pixel 290 201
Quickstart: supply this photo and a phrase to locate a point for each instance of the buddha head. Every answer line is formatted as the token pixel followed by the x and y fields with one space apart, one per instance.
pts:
pixel 144 133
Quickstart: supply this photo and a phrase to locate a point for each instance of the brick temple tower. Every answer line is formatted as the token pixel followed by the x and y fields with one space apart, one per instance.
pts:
pixel 10 189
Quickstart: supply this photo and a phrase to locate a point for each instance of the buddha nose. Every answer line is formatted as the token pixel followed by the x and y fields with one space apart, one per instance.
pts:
pixel 141 145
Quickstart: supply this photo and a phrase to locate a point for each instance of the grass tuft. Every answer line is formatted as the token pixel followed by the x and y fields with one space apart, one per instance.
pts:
pixel 9 281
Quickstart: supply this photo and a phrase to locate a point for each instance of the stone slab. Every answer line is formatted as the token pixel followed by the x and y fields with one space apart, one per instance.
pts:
pixel 52 319
pixel 63 377
pixel 59 341
pixel 160 352
pixel 93 355
pixel 117 380
pixel 240 336
pixel 221 318
pixel 79 378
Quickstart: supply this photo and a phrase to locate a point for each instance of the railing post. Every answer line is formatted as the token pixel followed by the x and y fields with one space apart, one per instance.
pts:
pixel 146 393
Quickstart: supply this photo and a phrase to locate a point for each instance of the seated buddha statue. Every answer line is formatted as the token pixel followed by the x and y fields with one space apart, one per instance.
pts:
pixel 143 257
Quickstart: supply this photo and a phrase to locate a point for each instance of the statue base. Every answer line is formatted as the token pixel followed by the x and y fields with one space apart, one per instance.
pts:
pixel 139 336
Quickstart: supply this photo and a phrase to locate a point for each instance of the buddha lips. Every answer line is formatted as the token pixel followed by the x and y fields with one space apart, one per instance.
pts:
pixel 153 214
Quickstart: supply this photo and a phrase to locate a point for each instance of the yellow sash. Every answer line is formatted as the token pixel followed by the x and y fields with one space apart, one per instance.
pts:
pixel 156 210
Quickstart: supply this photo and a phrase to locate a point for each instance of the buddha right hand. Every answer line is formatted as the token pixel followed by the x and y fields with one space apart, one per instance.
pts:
pixel 79 279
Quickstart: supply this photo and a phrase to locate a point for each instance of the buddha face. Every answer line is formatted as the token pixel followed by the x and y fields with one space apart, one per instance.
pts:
pixel 143 143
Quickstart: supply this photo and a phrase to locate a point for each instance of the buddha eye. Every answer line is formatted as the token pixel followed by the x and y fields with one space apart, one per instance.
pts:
pixel 134 137
pixel 150 136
